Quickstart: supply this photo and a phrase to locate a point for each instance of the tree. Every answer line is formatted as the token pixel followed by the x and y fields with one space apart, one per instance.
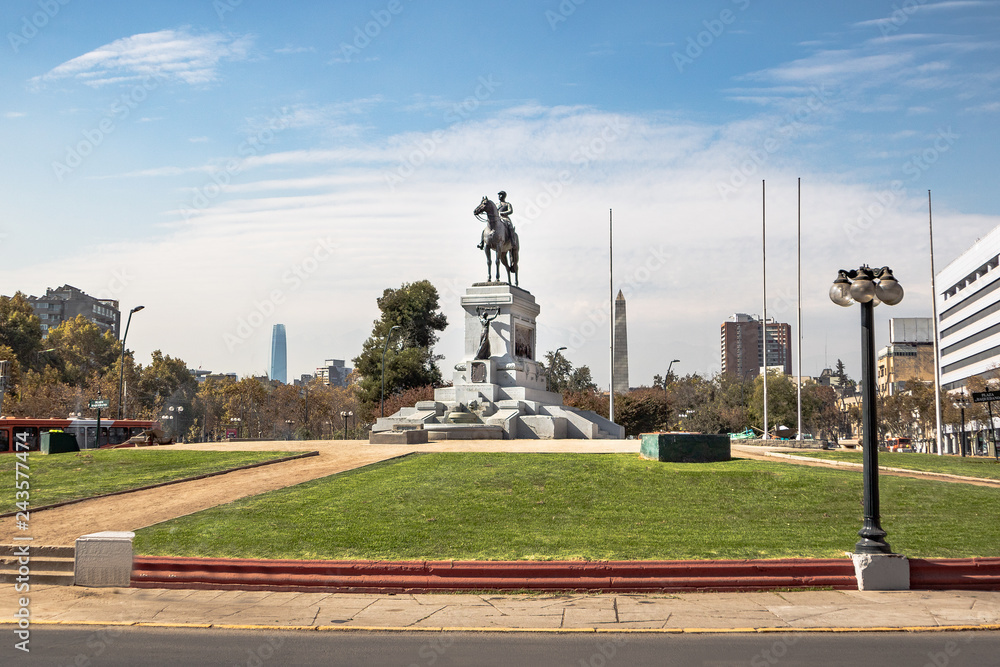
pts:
pixel 642 410
pixel 562 377
pixel 410 362
pixel 20 328
pixel 246 401
pixel 210 404
pixel 166 387
pixel 846 383
pixel 782 402
pixel 820 411
pixel 82 350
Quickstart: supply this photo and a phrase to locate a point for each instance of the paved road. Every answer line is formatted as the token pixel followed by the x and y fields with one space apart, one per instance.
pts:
pixel 162 646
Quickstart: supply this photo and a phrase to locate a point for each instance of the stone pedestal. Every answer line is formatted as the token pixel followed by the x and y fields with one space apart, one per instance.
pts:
pixel 104 559
pixel 503 389
pixel 882 572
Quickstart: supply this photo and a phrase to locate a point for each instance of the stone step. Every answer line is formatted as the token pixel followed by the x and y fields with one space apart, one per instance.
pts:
pixel 48 563
pixel 40 578
pixel 58 552
pixel 51 566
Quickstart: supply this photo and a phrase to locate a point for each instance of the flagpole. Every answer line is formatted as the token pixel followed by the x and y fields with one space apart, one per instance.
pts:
pixel 798 321
pixel 937 337
pixel 611 318
pixel 763 322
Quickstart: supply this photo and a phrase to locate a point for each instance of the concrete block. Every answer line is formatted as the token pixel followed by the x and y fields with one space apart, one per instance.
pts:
pixel 685 447
pixel 431 406
pixel 104 559
pixel 413 436
pixel 882 572
pixel 436 432
pixel 542 427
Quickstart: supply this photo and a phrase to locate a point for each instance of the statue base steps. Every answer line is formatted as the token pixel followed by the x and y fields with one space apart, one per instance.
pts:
pixel 507 419
pixel 504 395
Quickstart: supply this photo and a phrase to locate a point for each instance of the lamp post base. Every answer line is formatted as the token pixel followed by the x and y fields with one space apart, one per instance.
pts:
pixel 872 540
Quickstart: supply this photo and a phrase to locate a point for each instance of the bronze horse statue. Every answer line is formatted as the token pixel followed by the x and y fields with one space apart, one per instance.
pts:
pixel 499 238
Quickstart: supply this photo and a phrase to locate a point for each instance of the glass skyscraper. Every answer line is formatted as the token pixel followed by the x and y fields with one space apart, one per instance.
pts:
pixel 279 354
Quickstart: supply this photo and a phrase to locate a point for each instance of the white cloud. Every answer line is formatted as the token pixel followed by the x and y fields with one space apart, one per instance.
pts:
pixel 989 107
pixel 15 114
pixel 564 168
pixel 173 55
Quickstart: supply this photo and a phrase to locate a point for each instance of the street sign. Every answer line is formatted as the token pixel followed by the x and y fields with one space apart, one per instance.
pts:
pixel 100 404
pixel 985 396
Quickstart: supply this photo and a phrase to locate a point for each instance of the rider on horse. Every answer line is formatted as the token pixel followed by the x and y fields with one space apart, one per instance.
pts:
pixel 505 210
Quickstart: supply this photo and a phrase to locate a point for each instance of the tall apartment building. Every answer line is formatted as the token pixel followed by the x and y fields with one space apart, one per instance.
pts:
pixel 909 355
pixel 968 302
pixel 743 351
pixel 279 354
pixel 66 302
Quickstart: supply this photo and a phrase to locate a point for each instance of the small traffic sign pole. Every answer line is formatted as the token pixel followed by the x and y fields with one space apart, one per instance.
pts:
pixel 993 431
pixel 97 436
pixel 988 397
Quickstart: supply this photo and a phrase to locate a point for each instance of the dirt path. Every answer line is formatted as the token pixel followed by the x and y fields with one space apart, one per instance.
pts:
pixel 758 454
pixel 128 512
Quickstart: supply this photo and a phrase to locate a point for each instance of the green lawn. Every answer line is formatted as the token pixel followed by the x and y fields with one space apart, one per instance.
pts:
pixel 594 507
pixel 56 477
pixel 978 466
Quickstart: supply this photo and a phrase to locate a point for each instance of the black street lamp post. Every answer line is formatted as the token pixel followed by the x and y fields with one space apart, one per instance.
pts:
pixel 384 348
pixel 345 414
pixel 121 374
pixel 860 286
pixel 962 404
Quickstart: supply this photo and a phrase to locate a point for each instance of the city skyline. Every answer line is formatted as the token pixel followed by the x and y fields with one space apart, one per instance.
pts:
pixel 231 165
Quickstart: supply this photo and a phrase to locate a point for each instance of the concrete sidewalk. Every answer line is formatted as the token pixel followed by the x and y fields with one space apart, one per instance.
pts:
pixel 813 611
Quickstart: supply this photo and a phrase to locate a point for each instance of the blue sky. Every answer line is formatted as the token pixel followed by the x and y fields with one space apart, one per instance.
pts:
pixel 231 165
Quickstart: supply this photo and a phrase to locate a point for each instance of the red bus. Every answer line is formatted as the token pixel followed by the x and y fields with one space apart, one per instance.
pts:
pixel 113 431
pixel 898 444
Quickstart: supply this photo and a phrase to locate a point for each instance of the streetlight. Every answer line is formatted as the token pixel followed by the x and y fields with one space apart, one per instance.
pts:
pixel 38 355
pixel 384 348
pixel 865 290
pixel 4 371
pixel 666 378
pixel 345 414
pixel 121 374
pixel 962 404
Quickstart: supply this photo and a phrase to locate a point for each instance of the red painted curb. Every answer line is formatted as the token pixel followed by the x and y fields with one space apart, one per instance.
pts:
pixel 961 573
pixel 595 576
pixel 418 576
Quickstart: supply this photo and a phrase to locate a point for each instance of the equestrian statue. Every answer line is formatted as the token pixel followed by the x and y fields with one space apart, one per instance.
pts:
pixel 498 236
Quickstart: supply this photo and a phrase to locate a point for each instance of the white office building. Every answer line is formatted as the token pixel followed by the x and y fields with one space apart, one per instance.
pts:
pixel 968 301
